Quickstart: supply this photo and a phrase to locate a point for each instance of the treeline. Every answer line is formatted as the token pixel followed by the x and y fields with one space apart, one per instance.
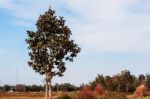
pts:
pixel 22 88
pixel 37 88
pixel 121 82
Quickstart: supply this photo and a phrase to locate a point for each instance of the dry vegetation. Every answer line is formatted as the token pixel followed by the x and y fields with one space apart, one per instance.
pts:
pixel 84 94
pixel 24 95
pixel 21 95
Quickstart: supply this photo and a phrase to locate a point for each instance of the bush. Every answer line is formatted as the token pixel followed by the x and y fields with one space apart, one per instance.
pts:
pixel 86 93
pixel 140 91
pixel 99 89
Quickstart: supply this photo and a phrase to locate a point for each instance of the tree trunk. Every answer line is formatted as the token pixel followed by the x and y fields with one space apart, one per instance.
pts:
pixel 50 95
pixel 46 87
pixel 127 88
pixel 118 89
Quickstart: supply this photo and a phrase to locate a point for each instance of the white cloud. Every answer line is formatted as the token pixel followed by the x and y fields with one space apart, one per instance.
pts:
pixel 23 9
pixel 109 26
pixel 5 4
pixel 26 10
pixel 105 26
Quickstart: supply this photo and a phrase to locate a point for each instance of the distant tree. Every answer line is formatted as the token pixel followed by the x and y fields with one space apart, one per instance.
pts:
pixel 20 88
pixel 34 88
pixel 92 84
pixel 108 82
pixel 127 79
pixel 37 88
pixel 67 87
pixel 28 88
pixel 50 46
pixel 100 79
pixel 141 78
pixel 7 88
pixel 1 88
pixel 104 81
pixel 116 84
pixel 56 87
pixel 133 83
pixel 148 80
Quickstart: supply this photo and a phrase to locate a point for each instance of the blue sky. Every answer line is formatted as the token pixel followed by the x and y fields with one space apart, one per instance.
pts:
pixel 114 35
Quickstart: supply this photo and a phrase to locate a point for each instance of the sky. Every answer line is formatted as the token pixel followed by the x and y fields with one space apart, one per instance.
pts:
pixel 114 35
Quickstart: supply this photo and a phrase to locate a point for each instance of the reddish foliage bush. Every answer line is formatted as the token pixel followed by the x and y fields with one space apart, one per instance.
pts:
pixel 86 93
pixel 99 89
pixel 140 91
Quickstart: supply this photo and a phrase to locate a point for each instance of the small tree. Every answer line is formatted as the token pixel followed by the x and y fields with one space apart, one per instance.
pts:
pixel 141 78
pixel 7 87
pixel 50 46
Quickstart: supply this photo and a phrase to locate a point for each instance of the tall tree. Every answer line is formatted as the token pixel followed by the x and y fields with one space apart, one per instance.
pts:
pixel 148 80
pixel 127 78
pixel 50 47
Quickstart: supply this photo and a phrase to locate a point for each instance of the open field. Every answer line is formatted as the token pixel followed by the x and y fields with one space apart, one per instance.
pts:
pixel 27 95
pixel 21 95
pixel 131 97
pixel 24 95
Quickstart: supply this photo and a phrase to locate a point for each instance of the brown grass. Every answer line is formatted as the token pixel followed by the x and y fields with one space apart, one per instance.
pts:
pixel 74 95
pixel 25 95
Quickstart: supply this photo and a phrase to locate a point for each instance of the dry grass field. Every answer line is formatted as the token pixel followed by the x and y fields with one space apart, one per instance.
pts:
pixel 30 95
pixel 132 97
pixel 24 95
pixel 21 95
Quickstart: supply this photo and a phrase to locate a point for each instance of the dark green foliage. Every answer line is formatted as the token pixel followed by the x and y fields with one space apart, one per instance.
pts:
pixel 1 88
pixel 127 79
pixel 7 88
pixel 141 77
pixel 91 84
pixel 34 88
pixel 50 46
pixel 67 87
pixel 64 87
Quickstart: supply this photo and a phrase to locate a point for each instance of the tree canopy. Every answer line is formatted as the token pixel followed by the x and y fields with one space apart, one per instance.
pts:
pixel 50 46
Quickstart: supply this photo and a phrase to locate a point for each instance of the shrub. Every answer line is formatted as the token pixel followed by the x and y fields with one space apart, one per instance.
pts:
pixel 140 91
pixel 86 93
pixel 99 89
